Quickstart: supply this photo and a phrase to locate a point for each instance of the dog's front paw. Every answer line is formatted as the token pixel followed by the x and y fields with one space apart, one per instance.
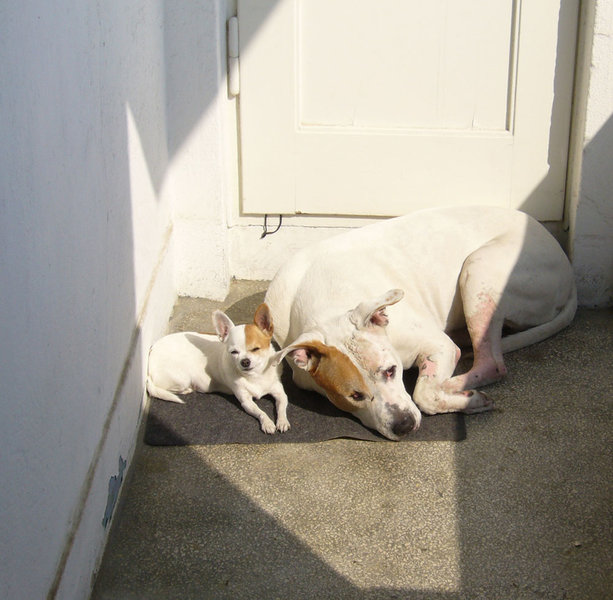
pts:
pixel 282 424
pixel 267 425
pixel 478 402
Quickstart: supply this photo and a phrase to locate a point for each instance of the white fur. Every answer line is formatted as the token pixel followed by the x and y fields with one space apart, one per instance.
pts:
pixel 477 267
pixel 181 363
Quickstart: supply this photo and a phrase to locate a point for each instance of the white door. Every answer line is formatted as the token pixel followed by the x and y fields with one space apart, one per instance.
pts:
pixel 354 107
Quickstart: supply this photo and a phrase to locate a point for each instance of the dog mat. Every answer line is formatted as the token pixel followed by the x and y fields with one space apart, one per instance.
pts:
pixel 219 419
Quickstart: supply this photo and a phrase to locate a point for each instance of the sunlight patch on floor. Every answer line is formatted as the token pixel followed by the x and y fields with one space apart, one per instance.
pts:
pixel 394 527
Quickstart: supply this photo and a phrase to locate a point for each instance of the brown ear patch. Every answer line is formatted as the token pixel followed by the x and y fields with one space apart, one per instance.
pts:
pixel 263 319
pixel 259 333
pixel 340 378
pixel 333 371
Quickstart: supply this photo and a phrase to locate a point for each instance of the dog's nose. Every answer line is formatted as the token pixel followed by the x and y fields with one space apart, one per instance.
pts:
pixel 404 425
pixel 245 363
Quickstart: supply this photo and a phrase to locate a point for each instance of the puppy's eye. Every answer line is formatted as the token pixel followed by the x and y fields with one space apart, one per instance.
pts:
pixel 235 352
pixel 254 349
pixel 389 373
pixel 357 396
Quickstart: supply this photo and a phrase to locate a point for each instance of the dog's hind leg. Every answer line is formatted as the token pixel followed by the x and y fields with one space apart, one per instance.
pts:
pixel 485 329
pixel 522 279
pixel 484 285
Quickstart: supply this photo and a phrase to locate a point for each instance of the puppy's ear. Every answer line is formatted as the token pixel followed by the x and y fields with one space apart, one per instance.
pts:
pixel 263 319
pixel 372 312
pixel 222 324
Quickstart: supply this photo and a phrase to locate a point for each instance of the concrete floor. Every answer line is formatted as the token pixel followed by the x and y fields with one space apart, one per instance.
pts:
pixel 523 508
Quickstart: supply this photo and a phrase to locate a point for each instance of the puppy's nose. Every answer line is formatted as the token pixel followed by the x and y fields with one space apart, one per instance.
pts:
pixel 245 363
pixel 404 425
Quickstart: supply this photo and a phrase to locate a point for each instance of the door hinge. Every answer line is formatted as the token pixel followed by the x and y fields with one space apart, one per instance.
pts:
pixel 233 71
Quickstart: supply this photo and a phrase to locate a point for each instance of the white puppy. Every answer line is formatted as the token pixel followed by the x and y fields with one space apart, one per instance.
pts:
pixel 240 360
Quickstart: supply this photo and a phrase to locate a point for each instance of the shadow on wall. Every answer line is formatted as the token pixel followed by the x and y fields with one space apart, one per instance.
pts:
pixel 195 77
pixel 558 136
pixel 192 73
pixel 592 243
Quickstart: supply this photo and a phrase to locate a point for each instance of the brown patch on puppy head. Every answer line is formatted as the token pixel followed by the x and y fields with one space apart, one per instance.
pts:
pixel 258 335
pixel 256 339
pixel 336 374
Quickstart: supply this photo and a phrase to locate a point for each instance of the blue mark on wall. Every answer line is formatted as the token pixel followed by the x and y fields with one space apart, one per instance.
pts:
pixel 114 487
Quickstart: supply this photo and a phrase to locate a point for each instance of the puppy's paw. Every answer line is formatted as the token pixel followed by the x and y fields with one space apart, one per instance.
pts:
pixel 267 425
pixel 282 424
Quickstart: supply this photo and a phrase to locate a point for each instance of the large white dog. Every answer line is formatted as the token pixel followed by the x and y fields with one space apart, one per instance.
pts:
pixel 444 271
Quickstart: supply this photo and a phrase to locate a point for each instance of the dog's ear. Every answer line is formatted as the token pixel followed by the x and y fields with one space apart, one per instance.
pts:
pixel 306 355
pixel 222 324
pixel 372 312
pixel 263 319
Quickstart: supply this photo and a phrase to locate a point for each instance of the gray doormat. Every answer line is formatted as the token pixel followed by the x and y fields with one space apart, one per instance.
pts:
pixel 219 419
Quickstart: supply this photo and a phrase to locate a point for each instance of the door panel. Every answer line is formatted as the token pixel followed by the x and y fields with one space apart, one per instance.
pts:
pixel 418 72
pixel 356 108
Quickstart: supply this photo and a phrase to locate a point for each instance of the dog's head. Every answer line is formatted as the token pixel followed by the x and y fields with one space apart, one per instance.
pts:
pixel 352 360
pixel 247 345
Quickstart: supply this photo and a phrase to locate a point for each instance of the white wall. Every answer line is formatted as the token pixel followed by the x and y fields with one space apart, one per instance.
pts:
pixel 112 199
pixel 591 236
pixel 198 140
pixel 85 271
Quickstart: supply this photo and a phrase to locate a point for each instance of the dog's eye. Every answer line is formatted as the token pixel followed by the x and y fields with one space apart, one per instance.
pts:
pixel 254 349
pixel 357 396
pixel 235 352
pixel 389 373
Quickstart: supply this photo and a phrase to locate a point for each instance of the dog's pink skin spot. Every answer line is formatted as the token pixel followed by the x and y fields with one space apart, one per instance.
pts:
pixel 428 368
pixel 488 365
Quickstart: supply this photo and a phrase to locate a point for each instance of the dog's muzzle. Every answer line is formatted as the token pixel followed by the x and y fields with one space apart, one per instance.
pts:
pixel 245 364
pixel 405 425
pixel 403 421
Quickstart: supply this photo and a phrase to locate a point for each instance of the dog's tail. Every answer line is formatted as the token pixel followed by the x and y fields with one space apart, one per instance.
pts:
pixel 161 393
pixel 521 339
